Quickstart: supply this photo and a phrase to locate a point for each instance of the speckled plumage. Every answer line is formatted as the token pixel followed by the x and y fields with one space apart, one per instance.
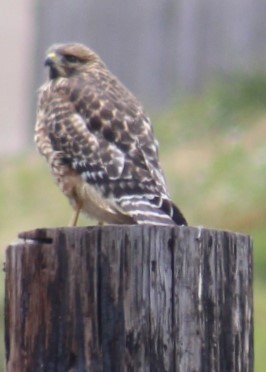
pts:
pixel 99 142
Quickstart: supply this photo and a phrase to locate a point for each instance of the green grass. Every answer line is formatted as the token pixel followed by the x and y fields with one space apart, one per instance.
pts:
pixel 260 325
pixel 228 106
pixel 213 151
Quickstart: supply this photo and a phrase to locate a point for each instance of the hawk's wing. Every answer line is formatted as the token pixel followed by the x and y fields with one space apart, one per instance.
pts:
pixel 119 148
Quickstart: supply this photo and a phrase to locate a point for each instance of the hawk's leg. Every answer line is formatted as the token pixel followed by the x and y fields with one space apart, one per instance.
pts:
pixel 74 218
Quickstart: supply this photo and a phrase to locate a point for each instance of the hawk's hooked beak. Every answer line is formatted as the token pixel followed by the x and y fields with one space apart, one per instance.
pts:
pixel 51 59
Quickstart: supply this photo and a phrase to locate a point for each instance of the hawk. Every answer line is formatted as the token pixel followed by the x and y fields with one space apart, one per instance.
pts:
pixel 99 143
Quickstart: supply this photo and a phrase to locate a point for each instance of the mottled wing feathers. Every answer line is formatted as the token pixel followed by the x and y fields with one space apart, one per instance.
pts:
pixel 115 117
pixel 76 146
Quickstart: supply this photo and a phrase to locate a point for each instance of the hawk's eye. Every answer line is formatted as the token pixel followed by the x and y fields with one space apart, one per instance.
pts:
pixel 71 59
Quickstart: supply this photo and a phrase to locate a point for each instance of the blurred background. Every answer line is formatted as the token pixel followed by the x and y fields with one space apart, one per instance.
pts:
pixel 198 66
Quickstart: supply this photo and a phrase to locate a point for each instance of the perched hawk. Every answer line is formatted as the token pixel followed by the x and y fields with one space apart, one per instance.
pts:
pixel 99 143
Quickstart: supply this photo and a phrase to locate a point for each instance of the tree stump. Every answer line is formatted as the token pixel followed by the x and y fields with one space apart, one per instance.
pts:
pixel 129 298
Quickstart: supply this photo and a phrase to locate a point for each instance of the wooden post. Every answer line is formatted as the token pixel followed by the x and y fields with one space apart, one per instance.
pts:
pixel 129 298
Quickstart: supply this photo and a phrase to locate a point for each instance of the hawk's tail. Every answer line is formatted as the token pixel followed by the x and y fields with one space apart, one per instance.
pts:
pixel 155 210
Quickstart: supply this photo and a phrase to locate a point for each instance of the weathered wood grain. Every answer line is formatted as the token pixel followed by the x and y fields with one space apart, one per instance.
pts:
pixel 129 298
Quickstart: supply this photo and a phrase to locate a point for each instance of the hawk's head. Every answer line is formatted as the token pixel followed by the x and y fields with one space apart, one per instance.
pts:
pixel 68 59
